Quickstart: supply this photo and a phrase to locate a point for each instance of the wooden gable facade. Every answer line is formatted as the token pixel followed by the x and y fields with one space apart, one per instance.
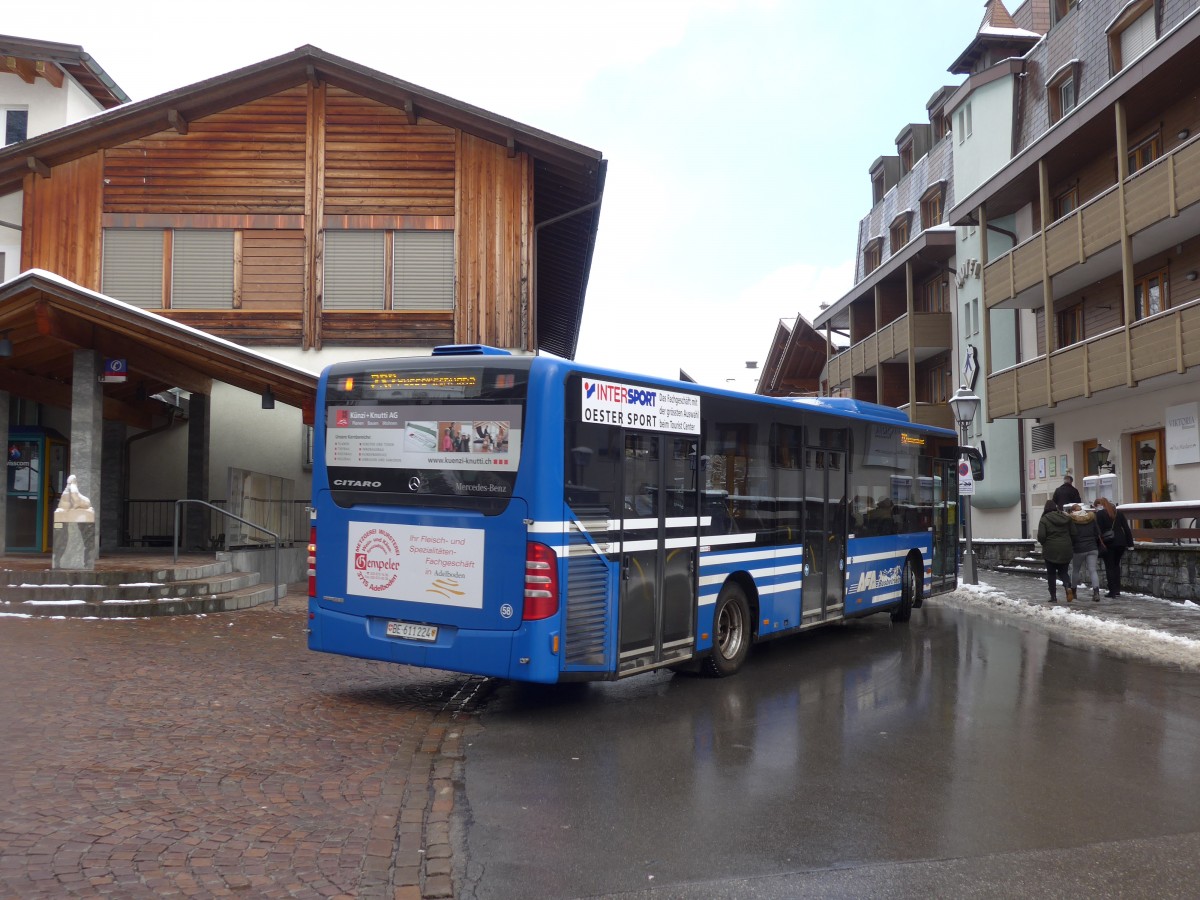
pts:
pixel 308 202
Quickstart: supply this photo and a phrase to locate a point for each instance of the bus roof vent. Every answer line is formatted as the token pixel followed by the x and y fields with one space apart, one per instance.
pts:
pixel 469 350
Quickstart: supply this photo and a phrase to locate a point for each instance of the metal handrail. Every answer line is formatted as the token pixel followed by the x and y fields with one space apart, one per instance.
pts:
pixel 274 549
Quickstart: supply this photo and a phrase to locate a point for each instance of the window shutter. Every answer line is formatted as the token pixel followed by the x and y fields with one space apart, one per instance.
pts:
pixel 133 266
pixel 202 270
pixel 423 273
pixel 353 270
pixel 1137 37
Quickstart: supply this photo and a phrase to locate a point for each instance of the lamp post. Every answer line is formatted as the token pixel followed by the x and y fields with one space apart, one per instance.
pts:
pixel 964 404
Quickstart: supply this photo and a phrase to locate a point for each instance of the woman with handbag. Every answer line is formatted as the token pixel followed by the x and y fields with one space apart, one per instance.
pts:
pixel 1118 537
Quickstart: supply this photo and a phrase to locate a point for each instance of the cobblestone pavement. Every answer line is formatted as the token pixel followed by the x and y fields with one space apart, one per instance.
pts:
pixel 216 756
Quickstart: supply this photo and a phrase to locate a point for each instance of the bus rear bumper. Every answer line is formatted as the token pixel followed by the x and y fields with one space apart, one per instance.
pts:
pixel 498 654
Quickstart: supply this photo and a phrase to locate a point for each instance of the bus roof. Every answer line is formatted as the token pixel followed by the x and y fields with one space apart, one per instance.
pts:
pixel 842 406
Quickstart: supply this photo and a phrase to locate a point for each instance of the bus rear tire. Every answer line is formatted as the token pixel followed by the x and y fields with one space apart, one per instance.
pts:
pixel 731 633
pixel 910 593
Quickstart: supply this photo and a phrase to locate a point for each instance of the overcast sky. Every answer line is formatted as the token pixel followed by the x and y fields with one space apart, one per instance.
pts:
pixel 738 132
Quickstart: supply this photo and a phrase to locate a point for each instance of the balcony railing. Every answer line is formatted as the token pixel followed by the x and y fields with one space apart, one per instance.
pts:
pixel 1153 194
pixel 1162 344
pixel 937 414
pixel 931 331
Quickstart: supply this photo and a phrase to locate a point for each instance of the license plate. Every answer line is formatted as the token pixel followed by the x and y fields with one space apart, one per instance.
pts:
pixel 412 631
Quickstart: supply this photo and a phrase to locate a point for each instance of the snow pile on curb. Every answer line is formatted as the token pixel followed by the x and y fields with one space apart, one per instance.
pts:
pixel 1084 622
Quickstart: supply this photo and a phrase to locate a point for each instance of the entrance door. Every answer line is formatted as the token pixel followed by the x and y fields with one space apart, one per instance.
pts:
pixel 657 612
pixel 25 525
pixel 1150 475
pixel 823 588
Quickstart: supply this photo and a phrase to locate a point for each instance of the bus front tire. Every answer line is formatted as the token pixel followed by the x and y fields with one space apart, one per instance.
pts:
pixel 910 593
pixel 731 633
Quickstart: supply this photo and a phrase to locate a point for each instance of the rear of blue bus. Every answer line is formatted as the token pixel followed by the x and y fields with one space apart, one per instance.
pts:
pixel 420 547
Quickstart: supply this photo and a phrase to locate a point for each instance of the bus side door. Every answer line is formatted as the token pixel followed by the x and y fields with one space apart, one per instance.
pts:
pixel 823 588
pixel 659 538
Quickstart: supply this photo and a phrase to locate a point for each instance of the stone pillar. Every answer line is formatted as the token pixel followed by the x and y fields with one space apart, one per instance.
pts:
pixel 196 517
pixel 4 407
pixel 87 418
pixel 112 488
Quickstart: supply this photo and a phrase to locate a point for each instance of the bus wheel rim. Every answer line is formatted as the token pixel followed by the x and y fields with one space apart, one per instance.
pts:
pixel 730 634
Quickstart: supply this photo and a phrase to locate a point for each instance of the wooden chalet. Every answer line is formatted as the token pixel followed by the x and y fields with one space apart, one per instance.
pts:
pixel 299 204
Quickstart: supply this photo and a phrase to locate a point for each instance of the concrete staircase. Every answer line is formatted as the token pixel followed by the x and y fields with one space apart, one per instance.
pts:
pixel 1030 564
pixel 154 590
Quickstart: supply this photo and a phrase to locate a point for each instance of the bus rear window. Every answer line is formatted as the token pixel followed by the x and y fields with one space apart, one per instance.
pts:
pixel 424 435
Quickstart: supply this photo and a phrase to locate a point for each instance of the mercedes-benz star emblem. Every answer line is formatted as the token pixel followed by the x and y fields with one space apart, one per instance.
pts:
pixel 414 483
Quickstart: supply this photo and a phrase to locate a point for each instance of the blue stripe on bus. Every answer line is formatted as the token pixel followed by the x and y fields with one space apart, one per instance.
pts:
pixel 875 565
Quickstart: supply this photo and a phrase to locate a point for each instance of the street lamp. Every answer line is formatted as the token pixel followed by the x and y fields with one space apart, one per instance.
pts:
pixel 1098 456
pixel 964 404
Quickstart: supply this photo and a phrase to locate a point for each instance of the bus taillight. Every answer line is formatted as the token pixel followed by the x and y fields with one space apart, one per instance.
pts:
pixel 541 581
pixel 312 560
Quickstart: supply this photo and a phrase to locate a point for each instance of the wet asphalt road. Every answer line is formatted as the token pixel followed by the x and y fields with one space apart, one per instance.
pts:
pixel 962 755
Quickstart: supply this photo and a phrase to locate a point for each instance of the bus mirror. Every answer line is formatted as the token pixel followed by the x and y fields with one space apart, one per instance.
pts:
pixel 976 460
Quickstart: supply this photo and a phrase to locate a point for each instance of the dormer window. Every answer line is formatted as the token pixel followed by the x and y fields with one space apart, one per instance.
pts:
pixel 940 123
pixel 932 202
pixel 877 187
pixel 872 255
pixel 1060 8
pixel 1131 33
pixel 906 157
pixel 900 231
pixel 1062 90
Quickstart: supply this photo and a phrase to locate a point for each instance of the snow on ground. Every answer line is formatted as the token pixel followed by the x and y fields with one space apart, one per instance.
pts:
pixel 1139 628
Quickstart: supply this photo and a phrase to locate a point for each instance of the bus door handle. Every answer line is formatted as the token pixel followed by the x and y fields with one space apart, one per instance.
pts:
pixel 625 568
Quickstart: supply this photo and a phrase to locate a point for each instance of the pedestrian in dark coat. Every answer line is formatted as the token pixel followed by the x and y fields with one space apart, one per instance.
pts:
pixel 1066 493
pixel 1118 537
pixel 1056 534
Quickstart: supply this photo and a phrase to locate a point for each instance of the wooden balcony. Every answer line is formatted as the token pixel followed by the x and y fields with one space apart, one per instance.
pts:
pixel 1160 345
pixel 937 414
pixel 932 333
pixel 1154 196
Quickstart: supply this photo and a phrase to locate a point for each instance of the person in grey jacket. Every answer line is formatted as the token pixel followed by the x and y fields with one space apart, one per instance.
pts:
pixel 1088 545
pixel 1056 534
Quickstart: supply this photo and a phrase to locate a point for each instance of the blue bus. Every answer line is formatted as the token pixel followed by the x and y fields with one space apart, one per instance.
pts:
pixel 531 518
